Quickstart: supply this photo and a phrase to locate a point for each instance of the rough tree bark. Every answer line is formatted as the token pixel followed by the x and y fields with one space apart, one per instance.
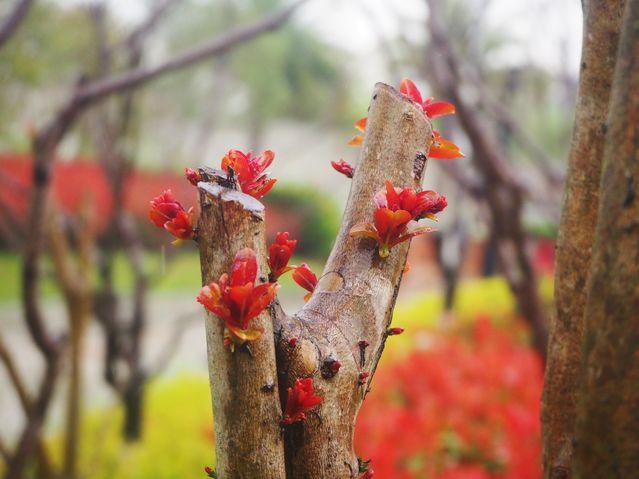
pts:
pixel 602 23
pixel 607 428
pixel 353 302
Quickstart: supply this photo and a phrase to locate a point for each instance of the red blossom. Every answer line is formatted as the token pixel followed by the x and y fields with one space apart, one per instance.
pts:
pixel 299 399
pixel 303 276
pixel 432 109
pixel 440 148
pixel 193 176
pixel 166 212
pixel 279 254
pixel 343 167
pixel 249 171
pixel 237 299
pixel 423 204
pixel 367 474
pixel 397 214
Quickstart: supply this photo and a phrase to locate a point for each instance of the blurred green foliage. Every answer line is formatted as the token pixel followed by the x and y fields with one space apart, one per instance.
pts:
pixel 178 441
pixel 319 213
pixel 487 297
pixel 180 274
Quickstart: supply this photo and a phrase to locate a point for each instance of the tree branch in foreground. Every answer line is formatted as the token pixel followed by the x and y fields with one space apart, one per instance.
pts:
pixel 345 320
pixel 246 405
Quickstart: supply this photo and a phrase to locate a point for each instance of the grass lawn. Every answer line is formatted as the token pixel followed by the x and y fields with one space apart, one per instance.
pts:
pixel 178 273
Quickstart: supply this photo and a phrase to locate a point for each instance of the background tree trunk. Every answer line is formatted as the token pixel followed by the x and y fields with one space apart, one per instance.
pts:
pixel 602 22
pixel 607 430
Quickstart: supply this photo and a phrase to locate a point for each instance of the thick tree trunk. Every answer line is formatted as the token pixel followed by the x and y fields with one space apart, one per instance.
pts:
pixel 345 320
pixel 602 22
pixel 607 430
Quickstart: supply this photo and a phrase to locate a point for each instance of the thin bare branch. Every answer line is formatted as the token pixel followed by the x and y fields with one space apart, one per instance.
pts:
pixel 168 352
pixel 14 19
pixel 101 88
pixel 504 191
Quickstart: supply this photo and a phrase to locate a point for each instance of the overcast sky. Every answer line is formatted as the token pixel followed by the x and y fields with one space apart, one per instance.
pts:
pixel 539 28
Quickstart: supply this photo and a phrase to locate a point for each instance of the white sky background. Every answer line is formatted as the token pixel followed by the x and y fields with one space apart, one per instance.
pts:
pixel 546 33
pixel 538 28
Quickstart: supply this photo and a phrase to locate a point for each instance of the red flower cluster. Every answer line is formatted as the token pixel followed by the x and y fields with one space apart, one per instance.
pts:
pixel 397 215
pixel 432 109
pixel 440 148
pixel 249 171
pixel 237 300
pixel 167 212
pixel 279 254
pixel 465 408
pixel 343 167
pixel 192 175
pixel 299 399
pixel 303 276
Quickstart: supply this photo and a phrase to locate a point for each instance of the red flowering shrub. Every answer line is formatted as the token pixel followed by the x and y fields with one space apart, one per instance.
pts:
pixel 465 408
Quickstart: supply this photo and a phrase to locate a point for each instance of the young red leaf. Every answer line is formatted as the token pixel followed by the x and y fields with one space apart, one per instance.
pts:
pixel 236 300
pixel 304 277
pixel 279 254
pixel 249 171
pixel 299 400
pixel 443 149
pixel 166 212
pixel 343 167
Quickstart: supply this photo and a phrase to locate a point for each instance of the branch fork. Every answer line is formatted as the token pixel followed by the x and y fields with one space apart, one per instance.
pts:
pixel 351 306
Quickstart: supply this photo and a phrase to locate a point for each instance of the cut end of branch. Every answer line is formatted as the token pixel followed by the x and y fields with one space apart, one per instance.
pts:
pixel 249 203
